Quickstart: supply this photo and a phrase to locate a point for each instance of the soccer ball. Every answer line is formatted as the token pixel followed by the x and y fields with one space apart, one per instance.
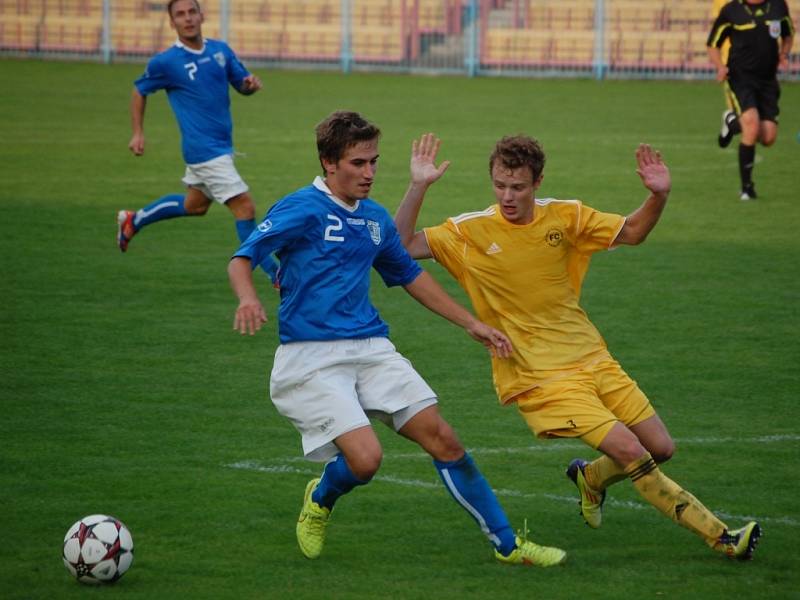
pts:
pixel 98 549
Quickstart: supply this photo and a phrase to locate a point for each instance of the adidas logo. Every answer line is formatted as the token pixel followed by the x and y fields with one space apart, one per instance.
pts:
pixel 493 249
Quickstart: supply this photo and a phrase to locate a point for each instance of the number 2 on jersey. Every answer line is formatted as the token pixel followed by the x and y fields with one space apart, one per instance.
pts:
pixel 332 228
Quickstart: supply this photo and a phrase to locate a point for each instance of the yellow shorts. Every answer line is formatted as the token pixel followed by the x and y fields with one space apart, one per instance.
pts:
pixel 584 403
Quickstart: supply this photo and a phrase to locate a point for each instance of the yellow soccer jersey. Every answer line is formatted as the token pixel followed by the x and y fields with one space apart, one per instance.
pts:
pixel 525 280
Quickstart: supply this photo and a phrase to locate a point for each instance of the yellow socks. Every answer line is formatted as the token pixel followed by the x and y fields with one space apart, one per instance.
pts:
pixel 675 502
pixel 603 472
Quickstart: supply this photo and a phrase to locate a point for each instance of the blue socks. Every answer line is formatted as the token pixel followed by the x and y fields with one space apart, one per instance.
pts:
pixel 168 207
pixel 337 480
pixel 244 227
pixel 471 490
pixel 461 478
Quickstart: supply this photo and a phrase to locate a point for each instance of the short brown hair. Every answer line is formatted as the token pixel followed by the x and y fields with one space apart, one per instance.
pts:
pixel 341 130
pixel 172 2
pixel 515 151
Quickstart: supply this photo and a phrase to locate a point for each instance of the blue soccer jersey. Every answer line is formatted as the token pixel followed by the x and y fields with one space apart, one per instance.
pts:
pixel 326 251
pixel 196 82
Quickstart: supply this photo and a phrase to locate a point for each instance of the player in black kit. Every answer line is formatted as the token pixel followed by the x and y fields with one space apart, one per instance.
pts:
pixel 761 33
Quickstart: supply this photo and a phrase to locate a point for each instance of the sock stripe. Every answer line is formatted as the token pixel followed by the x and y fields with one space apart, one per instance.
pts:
pixel 451 486
pixel 645 468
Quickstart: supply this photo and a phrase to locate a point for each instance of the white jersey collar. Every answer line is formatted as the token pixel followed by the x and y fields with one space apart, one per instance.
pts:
pixel 180 44
pixel 320 184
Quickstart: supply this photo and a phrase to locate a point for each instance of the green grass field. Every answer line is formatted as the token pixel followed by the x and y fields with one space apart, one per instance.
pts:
pixel 126 392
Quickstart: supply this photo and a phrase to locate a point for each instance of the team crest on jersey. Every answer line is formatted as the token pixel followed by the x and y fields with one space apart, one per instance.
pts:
pixel 554 237
pixel 220 58
pixel 775 29
pixel 374 231
pixel 265 226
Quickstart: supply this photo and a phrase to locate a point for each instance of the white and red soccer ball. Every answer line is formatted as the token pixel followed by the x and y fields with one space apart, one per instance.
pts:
pixel 98 549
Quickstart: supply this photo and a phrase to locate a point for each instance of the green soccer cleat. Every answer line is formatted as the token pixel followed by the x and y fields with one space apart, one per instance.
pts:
pixel 311 524
pixel 528 553
pixel 591 502
pixel 740 543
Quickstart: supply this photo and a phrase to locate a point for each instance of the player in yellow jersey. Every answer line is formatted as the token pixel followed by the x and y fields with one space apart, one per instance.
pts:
pixel 522 261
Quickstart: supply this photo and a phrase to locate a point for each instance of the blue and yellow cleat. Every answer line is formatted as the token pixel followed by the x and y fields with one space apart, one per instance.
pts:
pixel 591 501
pixel 740 543
pixel 311 524
pixel 528 553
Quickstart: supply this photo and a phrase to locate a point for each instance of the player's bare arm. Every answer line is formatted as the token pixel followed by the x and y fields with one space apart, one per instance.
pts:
pixel 785 51
pixel 138 105
pixel 250 315
pixel 250 85
pixel 425 290
pixel 715 56
pixel 424 173
pixel 656 178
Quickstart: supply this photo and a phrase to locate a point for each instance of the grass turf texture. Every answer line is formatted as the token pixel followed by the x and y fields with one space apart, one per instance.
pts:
pixel 126 392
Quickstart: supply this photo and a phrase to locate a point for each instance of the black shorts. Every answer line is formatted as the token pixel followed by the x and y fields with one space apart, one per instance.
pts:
pixel 746 91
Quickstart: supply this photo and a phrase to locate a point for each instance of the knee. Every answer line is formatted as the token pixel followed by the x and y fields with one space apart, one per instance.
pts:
pixel 445 446
pixel 242 207
pixel 197 210
pixel 364 465
pixel 663 450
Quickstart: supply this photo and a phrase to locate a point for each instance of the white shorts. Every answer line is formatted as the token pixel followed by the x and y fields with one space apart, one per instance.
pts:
pixel 329 388
pixel 217 178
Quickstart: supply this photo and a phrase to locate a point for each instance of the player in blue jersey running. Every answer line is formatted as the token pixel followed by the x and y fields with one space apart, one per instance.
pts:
pixel 196 73
pixel 336 368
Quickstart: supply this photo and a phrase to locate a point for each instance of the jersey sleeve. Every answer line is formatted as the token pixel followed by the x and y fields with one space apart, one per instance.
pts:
pixel 787 26
pixel 593 230
pixel 285 222
pixel 720 30
pixel 236 70
pixel 393 262
pixel 153 79
pixel 447 246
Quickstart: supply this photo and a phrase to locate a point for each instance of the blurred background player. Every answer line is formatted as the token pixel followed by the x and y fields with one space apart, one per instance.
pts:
pixel 761 33
pixel 195 73
pixel 728 113
pixel 522 262
pixel 335 367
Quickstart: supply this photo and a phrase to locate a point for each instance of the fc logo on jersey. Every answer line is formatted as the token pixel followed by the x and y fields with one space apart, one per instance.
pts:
pixel 775 29
pixel 374 231
pixel 265 226
pixel 220 58
pixel 554 237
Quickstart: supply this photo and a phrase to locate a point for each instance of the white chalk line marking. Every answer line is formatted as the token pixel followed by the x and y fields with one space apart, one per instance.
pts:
pixel 284 466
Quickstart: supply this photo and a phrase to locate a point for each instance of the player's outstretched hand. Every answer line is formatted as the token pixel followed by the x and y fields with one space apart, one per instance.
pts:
pixel 497 343
pixel 250 316
pixel 251 84
pixel 136 145
pixel 423 160
pixel 652 170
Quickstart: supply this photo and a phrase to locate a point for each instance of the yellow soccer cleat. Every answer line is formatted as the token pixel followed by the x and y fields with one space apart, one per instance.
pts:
pixel 740 543
pixel 311 524
pixel 591 501
pixel 528 553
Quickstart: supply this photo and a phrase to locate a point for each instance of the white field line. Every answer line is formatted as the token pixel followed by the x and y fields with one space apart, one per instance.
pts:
pixel 283 465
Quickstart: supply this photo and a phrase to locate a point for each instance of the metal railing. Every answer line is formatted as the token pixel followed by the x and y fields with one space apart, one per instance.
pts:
pixel 575 38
